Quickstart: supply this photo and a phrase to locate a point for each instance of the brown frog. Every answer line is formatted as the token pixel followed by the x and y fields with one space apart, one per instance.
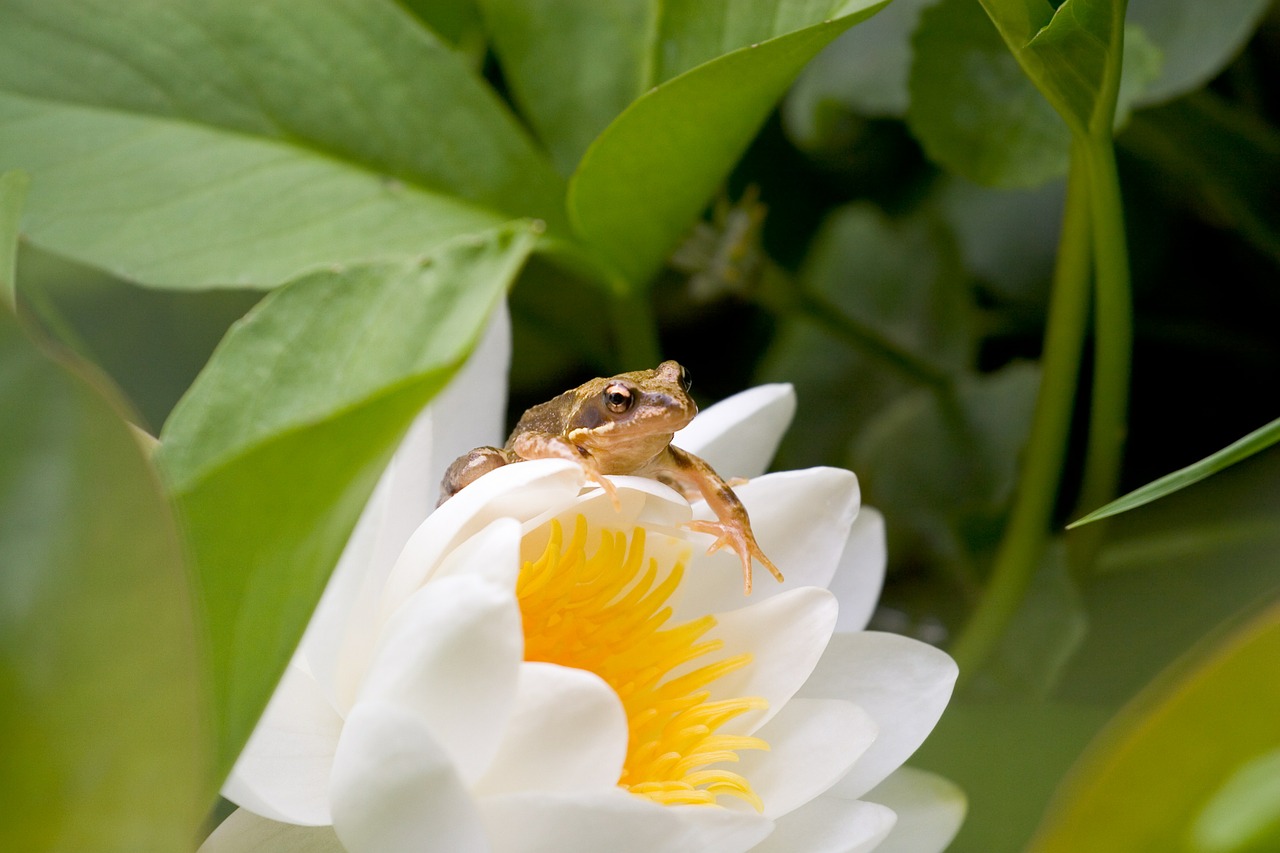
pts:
pixel 624 425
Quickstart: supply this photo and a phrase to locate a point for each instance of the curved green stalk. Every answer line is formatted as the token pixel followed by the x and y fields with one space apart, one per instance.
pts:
pixel 1027 532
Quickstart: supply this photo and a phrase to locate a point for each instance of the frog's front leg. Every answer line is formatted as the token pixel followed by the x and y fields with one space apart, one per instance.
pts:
pixel 732 527
pixel 469 467
pixel 545 445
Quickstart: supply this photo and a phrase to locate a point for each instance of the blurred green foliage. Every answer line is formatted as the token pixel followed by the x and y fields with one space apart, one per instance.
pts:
pixel 902 207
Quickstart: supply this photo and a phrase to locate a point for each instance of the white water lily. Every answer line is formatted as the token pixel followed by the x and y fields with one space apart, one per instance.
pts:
pixel 532 669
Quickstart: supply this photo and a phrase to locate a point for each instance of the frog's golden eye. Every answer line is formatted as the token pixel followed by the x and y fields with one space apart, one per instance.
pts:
pixel 686 381
pixel 619 398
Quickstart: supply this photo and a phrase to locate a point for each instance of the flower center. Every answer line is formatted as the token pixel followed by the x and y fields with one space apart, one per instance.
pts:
pixel 606 613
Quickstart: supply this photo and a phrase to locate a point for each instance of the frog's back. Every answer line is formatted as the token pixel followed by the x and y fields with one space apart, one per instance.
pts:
pixel 551 417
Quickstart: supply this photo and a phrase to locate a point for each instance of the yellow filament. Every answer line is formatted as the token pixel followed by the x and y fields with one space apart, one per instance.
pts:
pixel 606 613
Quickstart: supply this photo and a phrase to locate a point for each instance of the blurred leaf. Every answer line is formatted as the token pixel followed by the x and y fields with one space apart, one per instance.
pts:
pixel 943 467
pixel 573 66
pixel 13 191
pixel 1043 634
pixel 1244 814
pixel 1196 39
pixel 1019 270
pixel 1165 755
pixel 102 677
pixel 973 109
pixel 456 21
pixel 1007 758
pixel 1258 440
pixel 901 278
pixel 191 144
pixel 633 199
pixel 865 71
pixel 275 449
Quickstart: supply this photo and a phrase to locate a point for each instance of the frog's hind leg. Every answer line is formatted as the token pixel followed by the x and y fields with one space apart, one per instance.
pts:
pixel 469 467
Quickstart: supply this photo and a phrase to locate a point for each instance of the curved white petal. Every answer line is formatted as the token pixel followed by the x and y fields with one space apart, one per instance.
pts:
pixel 831 825
pixel 930 810
pixel 246 832
pixel 567 732
pixel 740 434
pixel 470 411
pixel 785 635
pixel 395 789
pixel 644 501
pixel 492 554
pixel 283 772
pixel 450 656
pixel 860 576
pixel 801 520
pixel 517 491
pixel 614 821
pixel 812 745
pixel 902 683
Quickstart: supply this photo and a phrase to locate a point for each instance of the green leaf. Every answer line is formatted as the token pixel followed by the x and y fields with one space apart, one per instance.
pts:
pixel 1244 814
pixel 1256 441
pixel 275 449
pixel 573 66
pixel 1196 39
pixel 13 190
pixel 1164 757
pixel 191 144
pixel 103 676
pixel 649 174
pixel 988 124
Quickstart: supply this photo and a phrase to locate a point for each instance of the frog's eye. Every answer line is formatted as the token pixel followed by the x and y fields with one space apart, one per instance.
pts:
pixel 686 381
pixel 619 398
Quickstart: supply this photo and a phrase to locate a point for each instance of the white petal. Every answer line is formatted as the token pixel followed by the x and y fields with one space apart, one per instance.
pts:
pixel 903 684
pixel 617 822
pixel 801 520
pixel 395 789
pixel 283 772
pixel 812 745
pixel 740 434
pixel 785 635
pixel 567 732
pixel 451 656
pixel 518 491
pixel 492 554
pixel 246 832
pixel 470 411
pixel 858 579
pixel 930 810
pixel 831 825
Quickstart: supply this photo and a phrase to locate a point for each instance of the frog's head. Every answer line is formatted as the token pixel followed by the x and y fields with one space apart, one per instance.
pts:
pixel 643 407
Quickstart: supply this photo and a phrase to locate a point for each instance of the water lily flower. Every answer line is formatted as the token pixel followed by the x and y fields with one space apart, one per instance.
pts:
pixel 530 668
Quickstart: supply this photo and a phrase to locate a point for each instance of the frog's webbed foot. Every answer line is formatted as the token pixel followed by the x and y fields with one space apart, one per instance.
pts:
pixel 738 536
pixel 532 445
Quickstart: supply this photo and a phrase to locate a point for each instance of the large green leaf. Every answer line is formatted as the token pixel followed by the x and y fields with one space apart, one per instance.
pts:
pixel 276 447
pixel 194 144
pixel 102 677
pixel 13 191
pixel 646 177
pixel 1163 759
pixel 1258 440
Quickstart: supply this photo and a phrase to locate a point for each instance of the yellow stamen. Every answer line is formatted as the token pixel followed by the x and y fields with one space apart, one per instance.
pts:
pixel 606 613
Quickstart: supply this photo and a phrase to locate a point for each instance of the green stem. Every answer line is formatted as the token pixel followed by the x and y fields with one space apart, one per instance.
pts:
pixel 1027 532
pixel 870 341
pixel 636 331
pixel 1113 346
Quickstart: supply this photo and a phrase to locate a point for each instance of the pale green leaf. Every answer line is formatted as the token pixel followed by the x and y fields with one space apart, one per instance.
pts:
pixel 1256 441
pixel 1145 778
pixel 1244 814
pixel 1196 39
pixel 647 176
pixel 13 191
pixel 276 447
pixel 267 138
pixel 102 674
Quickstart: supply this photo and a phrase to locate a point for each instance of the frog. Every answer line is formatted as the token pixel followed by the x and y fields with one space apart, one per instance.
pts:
pixel 625 424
